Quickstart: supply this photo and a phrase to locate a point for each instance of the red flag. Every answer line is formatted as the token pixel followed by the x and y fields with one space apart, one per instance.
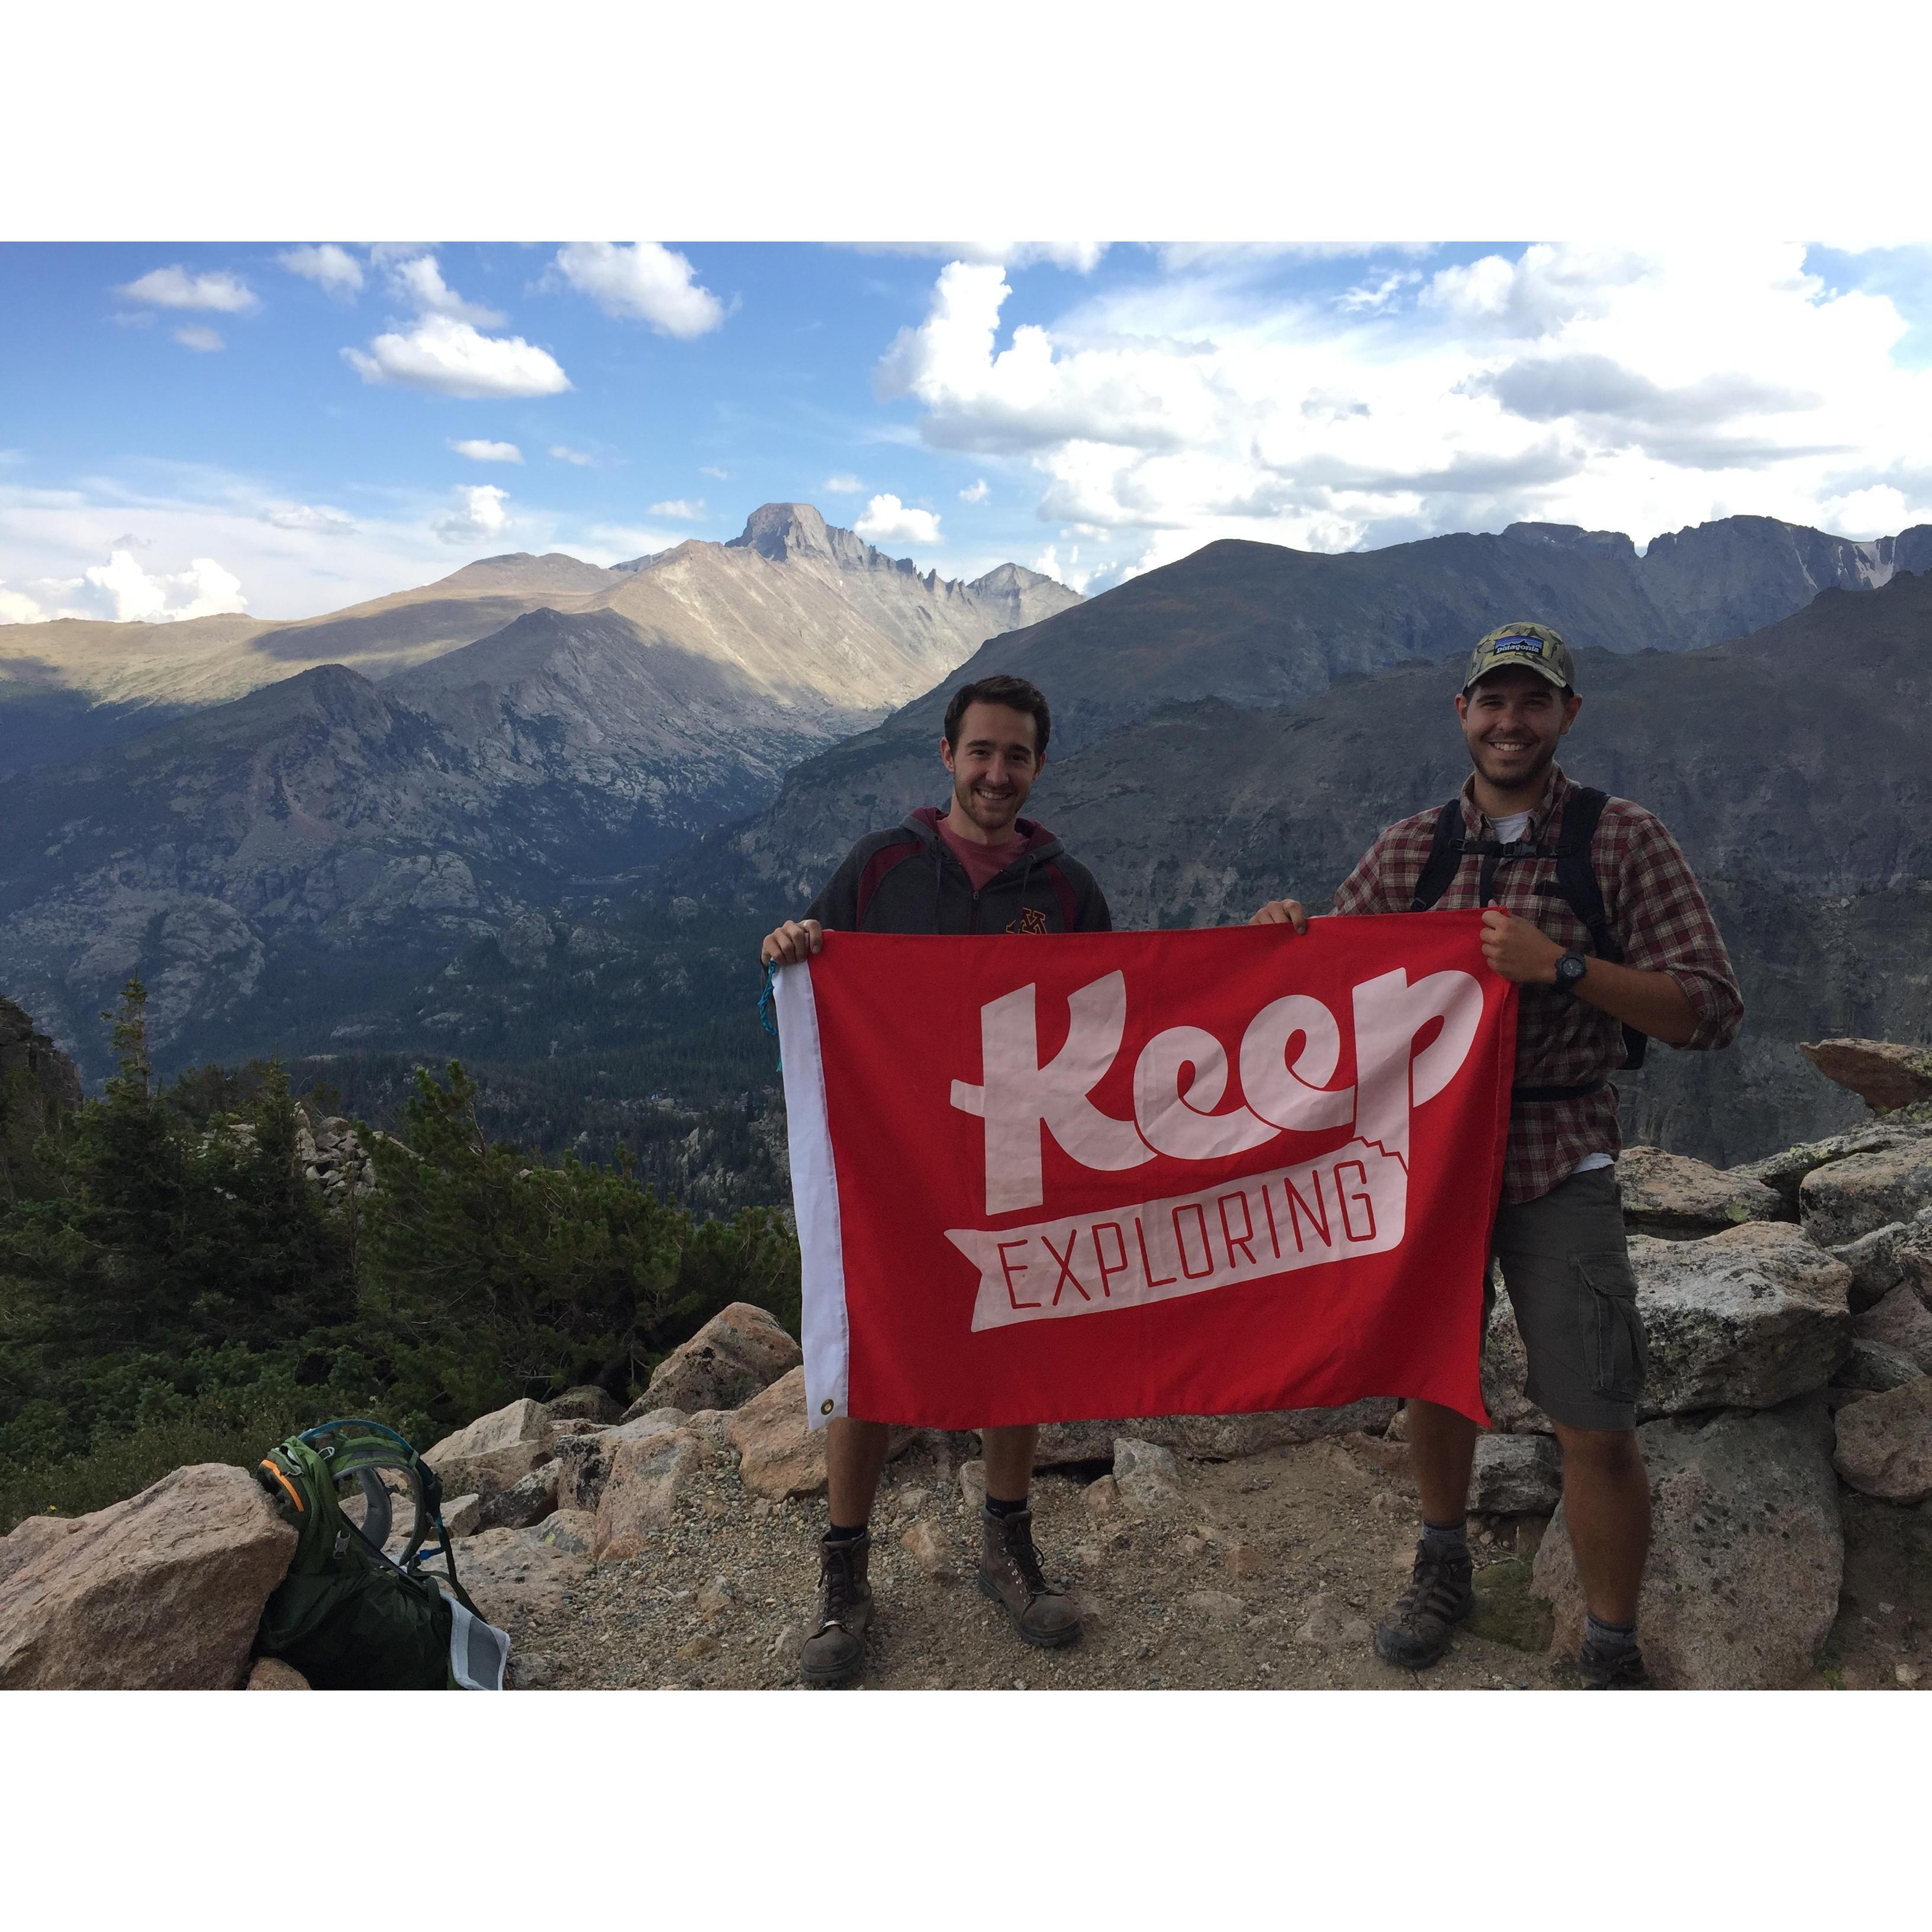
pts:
pixel 1046 1179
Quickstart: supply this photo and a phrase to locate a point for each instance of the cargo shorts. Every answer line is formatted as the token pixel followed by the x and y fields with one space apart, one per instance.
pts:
pixel 1567 1270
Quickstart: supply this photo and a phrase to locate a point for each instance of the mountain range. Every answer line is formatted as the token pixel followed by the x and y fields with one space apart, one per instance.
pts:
pixel 426 792
pixel 552 847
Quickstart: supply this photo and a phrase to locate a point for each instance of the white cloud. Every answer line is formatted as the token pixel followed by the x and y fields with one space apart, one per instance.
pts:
pixel 478 516
pixel 1083 257
pixel 642 281
pixel 204 589
pixel 1638 391
pixel 888 520
pixel 712 470
pixel 842 485
pixel 175 288
pixel 317 516
pixel 454 358
pixel 418 280
pixel 330 267
pixel 681 508
pixel 975 493
pixel 565 453
pixel 1051 563
pixel 480 449
pixel 17 608
pixel 197 336
pixel 619 543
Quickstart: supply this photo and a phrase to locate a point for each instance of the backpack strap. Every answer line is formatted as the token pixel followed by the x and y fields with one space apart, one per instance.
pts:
pixel 1444 860
pixel 1576 883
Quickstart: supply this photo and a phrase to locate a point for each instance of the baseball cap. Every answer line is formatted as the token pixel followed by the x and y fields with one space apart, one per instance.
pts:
pixel 1525 646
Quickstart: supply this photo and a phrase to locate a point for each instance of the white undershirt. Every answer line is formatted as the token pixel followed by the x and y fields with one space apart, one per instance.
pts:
pixel 1508 831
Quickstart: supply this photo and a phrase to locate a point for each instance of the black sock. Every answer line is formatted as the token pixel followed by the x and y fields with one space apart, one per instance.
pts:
pixel 998 1507
pixel 1445 1539
pixel 837 1535
pixel 1601 1636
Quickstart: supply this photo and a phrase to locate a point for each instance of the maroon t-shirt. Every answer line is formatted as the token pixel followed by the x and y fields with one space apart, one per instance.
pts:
pixel 983 863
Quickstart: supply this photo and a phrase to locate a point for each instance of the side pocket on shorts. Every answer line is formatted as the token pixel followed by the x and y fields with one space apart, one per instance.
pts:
pixel 1618 1355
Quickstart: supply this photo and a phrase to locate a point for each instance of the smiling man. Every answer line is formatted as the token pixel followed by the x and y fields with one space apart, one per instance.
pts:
pixel 978 867
pixel 1594 913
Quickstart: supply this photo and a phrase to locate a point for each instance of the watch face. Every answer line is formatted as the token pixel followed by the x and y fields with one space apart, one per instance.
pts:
pixel 1570 968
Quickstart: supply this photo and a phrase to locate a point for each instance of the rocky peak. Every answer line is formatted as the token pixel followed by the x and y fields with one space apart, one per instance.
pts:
pixel 1572 536
pixel 783 530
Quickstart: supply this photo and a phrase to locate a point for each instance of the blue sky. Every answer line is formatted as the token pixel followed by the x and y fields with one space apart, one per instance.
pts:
pixel 185 428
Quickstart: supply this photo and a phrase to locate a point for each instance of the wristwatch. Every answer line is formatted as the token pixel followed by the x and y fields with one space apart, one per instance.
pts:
pixel 1570 969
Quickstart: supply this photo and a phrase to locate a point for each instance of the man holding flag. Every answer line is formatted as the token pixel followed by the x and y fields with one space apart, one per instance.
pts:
pixel 1594 913
pixel 976 868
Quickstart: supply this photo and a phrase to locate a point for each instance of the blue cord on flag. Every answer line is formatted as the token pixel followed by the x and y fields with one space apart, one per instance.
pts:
pixel 765 1018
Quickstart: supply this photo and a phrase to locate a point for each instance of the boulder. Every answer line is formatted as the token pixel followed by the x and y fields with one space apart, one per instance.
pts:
pixel 567 1532
pixel 741 1350
pixel 163 1591
pixel 461 1516
pixel 1885 1443
pixel 1873 1368
pixel 1746 1551
pixel 1785 1172
pixel 31 1535
pixel 495 1451
pixel 1515 1475
pixel 522 1503
pixel 1747 1318
pixel 1882 1074
pixel 648 1475
pixel 1221 1609
pixel 271 1673
pixel 1898 1254
pixel 1854 1197
pixel 1210 1439
pixel 1147 1477
pixel 973 1484
pixel 1505 1367
pixel 586 1402
pixel 778 1455
pixel 1681 1200
pixel 515 1573
pixel 1900 1320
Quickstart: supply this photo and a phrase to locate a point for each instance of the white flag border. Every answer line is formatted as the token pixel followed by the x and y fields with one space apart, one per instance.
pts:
pixel 825 1329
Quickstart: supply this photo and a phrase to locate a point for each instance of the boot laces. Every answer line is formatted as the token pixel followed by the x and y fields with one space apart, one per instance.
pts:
pixel 1018 1537
pixel 1432 1590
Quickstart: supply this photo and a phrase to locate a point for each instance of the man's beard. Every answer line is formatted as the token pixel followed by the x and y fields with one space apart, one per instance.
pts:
pixel 1535 775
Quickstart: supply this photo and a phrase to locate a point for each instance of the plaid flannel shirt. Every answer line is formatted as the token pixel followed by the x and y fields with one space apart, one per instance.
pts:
pixel 1660 919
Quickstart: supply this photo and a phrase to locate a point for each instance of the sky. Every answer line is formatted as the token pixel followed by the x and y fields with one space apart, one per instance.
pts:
pixel 285 429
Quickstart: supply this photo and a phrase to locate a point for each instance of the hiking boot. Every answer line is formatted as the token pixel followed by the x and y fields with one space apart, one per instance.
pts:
pixel 1416 1632
pixel 1604 1670
pixel 834 1651
pixel 1009 1573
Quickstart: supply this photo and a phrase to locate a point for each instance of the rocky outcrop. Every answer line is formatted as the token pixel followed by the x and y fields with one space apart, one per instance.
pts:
pixel 1680 1199
pixel 1900 1320
pixel 494 1452
pixel 28 1538
pixel 740 1352
pixel 778 1456
pixel 1867 1192
pixel 1746 1551
pixel 528 1500
pixel 39 1083
pixel 1885 1443
pixel 1747 1318
pixel 1515 1475
pixel 1785 1172
pixel 162 1591
pixel 332 1156
pixel 586 1402
pixel 1898 1254
pixel 1883 1074
pixel 647 1475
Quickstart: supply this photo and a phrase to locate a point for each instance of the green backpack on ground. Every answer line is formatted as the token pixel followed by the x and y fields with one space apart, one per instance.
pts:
pixel 348 1615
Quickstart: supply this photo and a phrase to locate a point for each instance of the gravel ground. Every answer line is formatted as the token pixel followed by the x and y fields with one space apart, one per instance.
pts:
pixel 1267 1573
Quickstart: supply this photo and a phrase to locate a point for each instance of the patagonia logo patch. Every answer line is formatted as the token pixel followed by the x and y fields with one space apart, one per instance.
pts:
pixel 1517 647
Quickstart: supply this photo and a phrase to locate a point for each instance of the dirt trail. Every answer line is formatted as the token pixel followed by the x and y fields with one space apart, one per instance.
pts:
pixel 1269 1573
